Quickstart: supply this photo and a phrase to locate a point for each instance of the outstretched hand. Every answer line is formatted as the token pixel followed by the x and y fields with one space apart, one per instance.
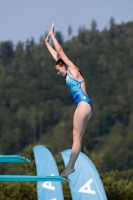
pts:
pixel 51 32
pixel 47 38
pixel 52 29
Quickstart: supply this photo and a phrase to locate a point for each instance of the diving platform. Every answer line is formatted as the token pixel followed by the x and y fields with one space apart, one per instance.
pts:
pixel 13 158
pixel 27 178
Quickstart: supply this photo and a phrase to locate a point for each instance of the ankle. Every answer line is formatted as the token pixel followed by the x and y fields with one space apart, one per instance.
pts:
pixel 68 167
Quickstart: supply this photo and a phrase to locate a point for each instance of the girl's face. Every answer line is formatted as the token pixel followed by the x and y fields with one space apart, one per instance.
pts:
pixel 61 70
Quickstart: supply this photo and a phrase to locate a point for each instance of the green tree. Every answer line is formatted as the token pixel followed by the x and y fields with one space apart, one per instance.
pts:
pixel 6 52
pixel 70 31
pixel 59 37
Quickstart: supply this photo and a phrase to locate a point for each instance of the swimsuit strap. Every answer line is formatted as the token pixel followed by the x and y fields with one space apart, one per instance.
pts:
pixel 74 79
pixel 82 81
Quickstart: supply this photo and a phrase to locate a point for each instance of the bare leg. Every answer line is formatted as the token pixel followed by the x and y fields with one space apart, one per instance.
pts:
pixel 81 116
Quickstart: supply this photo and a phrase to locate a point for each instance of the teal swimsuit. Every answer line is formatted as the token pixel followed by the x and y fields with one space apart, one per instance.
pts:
pixel 76 90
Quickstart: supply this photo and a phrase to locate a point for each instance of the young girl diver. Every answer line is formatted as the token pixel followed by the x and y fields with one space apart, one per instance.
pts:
pixel 76 84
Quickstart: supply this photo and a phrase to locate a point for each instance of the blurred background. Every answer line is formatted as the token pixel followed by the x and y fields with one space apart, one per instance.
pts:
pixel 36 107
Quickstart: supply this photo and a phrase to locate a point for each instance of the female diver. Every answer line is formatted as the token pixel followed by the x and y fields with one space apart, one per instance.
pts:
pixel 76 84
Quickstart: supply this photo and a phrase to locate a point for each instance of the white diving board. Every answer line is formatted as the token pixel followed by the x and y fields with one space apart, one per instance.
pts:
pixel 26 178
pixel 13 158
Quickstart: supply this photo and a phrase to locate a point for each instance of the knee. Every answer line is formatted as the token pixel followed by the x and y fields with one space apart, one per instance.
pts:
pixel 76 136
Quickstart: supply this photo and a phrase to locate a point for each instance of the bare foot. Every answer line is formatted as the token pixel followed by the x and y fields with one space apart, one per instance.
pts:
pixel 67 171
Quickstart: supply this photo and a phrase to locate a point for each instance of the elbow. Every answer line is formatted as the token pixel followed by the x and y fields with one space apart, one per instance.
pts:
pixel 60 50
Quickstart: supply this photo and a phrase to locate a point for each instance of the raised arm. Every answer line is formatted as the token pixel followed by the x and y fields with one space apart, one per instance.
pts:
pixel 54 54
pixel 73 69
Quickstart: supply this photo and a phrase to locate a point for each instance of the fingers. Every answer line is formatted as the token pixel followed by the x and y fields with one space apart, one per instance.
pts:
pixel 48 37
pixel 53 25
pixel 49 34
pixel 52 28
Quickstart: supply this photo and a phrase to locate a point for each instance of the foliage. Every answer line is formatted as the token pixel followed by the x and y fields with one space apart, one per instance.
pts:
pixel 117 189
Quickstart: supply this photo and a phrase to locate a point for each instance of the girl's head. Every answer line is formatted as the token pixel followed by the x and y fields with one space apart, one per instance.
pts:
pixel 61 67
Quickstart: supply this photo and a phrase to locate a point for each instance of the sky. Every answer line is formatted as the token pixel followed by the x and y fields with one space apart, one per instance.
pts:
pixel 25 19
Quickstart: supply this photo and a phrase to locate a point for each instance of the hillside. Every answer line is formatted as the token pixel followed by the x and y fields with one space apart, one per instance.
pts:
pixel 37 107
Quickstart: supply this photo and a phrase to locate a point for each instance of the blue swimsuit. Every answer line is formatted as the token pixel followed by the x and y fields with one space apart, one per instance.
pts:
pixel 76 90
